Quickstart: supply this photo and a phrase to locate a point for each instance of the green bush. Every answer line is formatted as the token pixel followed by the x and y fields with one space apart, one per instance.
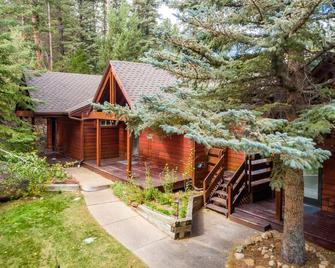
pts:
pixel 27 174
pixel 168 177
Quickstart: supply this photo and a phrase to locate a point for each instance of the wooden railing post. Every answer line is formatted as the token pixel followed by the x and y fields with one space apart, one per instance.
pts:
pixel 279 204
pixel 129 153
pixel 98 142
pixel 229 200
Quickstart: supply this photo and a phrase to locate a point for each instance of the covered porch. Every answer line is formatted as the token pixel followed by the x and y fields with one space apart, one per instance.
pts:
pixel 261 215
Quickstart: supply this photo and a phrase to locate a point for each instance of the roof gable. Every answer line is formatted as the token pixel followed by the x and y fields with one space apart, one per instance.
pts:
pixel 140 79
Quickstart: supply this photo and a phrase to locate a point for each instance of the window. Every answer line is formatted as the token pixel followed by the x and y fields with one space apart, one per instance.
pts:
pixel 312 186
pixel 108 123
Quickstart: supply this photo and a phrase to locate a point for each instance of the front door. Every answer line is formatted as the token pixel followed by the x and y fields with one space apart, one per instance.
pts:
pixel 312 187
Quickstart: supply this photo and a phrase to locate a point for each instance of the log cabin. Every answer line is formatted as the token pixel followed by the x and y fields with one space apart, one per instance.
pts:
pixel 234 184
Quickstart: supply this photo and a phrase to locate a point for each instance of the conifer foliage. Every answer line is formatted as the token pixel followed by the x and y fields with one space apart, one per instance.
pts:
pixel 246 81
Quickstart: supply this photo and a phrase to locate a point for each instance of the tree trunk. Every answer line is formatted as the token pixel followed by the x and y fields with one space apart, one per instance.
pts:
pixel 293 244
pixel 37 36
pixel 60 26
pixel 50 38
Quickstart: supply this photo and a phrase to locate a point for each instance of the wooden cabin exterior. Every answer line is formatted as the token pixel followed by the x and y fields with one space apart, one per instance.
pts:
pixel 233 183
pixel 99 141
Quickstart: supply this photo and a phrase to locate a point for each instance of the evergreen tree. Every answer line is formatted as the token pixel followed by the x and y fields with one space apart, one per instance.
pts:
pixel 233 57
pixel 15 134
pixel 123 40
pixel 147 12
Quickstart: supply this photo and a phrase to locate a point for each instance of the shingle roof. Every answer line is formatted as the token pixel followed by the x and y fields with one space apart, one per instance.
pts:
pixel 140 79
pixel 66 92
pixel 60 92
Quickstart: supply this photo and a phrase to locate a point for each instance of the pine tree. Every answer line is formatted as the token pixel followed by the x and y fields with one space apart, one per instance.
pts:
pixel 147 12
pixel 233 57
pixel 15 134
pixel 123 40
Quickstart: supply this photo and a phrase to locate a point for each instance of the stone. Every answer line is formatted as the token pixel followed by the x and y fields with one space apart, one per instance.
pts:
pixel 272 246
pixel 239 256
pixel 259 266
pixel 249 242
pixel 259 249
pixel 264 251
pixel 249 262
pixel 272 263
pixel 279 264
pixel 89 240
pixel 322 266
pixel 258 239
pixel 285 266
pixel 266 256
pixel 272 257
pixel 239 249
pixel 325 263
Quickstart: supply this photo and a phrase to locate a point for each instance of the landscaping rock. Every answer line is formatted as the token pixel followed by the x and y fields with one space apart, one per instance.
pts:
pixel 272 263
pixel 89 240
pixel 322 266
pixel 239 256
pixel 259 266
pixel 249 242
pixel 266 256
pixel 264 251
pixel 325 263
pixel 249 262
pixel 239 249
pixel 279 264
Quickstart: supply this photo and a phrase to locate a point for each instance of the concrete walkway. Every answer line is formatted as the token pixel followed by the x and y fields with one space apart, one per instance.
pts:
pixel 89 181
pixel 212 235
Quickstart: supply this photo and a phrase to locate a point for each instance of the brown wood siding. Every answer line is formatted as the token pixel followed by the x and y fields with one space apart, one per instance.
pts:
pixel 328 185
pixel 175 150
pixel 234 159
pixel 109 141
pixel 70 142
pixel 200 164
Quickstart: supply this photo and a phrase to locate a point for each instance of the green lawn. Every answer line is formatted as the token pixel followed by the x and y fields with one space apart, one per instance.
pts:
pixel 49 232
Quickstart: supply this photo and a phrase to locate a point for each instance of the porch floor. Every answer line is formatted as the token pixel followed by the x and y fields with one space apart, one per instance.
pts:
pixel 318 225
pixel 115 169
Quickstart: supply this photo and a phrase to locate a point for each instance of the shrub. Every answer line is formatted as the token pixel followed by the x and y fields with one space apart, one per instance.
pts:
pixel 168 178
pixel 27 174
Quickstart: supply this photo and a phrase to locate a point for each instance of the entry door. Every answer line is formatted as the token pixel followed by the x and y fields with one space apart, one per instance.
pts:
pixel 312 187
pixel 53 133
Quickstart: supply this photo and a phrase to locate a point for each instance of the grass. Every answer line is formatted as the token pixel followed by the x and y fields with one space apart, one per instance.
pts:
pixel 49 232
pixel 164 203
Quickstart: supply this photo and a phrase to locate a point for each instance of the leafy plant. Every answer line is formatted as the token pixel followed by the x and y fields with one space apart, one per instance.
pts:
pixel 27 174
pixel 168 178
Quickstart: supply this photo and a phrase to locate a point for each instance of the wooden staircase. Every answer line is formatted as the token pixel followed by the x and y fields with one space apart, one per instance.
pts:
pixel 224 190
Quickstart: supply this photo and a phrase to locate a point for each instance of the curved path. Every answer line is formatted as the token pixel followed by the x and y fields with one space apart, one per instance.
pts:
pixel 212 235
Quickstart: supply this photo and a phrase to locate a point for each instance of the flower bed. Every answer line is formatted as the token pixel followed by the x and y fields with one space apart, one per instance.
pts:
pixel 264 251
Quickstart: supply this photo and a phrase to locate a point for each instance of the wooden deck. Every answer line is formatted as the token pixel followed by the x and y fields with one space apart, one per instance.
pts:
pixel 115 169
pixel 318 225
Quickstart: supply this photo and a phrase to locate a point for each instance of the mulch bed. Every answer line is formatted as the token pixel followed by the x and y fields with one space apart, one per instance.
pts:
pixel 264 251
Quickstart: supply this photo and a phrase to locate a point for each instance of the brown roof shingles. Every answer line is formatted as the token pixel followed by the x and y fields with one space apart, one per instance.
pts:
pixel 59 92
pixel 140 79
pixel 65 92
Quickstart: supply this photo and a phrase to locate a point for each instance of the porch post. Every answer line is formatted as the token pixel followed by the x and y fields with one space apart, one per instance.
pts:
pixel 82 141
pixel 98 142
pixel 279 204
pixel 49 134
pixel 129 152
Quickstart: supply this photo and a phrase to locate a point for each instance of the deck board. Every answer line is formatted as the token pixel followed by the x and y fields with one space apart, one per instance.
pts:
pixel 115 169
pixel 318 225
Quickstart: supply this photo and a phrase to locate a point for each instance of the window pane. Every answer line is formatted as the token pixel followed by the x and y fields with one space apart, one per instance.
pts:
pixel 311 179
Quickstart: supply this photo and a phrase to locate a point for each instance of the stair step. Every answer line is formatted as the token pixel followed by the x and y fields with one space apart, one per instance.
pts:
pixel 221 193
pixel 220 201
pixel 218 209
pixel 250 221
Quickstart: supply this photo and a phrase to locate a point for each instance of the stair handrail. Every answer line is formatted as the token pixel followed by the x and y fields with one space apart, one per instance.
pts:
pixel 213 178
pixel 230 186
